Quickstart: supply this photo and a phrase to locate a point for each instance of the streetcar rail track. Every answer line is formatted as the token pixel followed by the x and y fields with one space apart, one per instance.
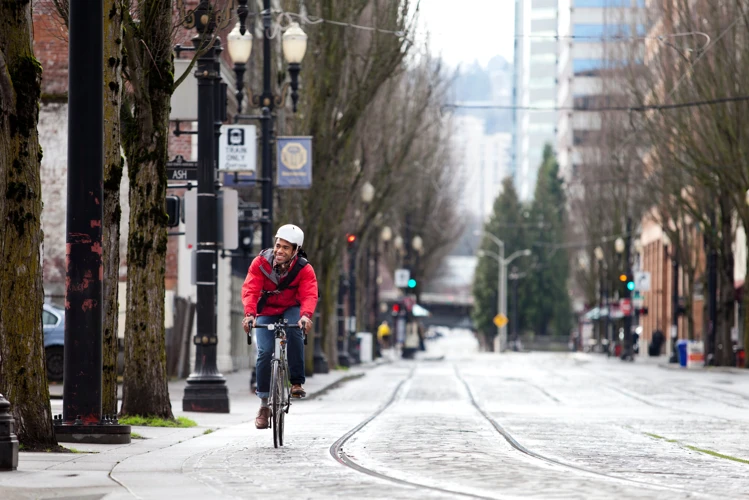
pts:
pixel 550 460
pixel 338 453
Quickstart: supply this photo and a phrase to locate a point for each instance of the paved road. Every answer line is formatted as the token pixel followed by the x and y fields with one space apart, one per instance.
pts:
pixel 460 424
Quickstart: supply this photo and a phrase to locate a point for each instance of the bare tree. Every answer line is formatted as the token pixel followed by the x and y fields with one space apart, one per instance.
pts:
pixel 148 70
pixel 23 378
pixel 112 210
pixel 345 70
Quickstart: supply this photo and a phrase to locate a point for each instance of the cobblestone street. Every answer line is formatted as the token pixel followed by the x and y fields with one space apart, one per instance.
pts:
pixel 461 424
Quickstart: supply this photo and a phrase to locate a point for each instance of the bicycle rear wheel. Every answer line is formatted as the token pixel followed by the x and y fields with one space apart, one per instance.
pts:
pixel 276 406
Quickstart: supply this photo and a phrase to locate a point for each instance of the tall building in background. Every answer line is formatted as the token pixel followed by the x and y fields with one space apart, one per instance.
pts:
pixel 482 133
pixel 535 85
pixel 486 161
pixel 597 29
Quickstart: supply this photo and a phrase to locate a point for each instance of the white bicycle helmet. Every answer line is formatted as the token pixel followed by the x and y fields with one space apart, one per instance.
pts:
pixel 291 233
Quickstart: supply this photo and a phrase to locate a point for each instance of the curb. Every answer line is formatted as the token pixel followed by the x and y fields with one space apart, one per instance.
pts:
pixel 707 369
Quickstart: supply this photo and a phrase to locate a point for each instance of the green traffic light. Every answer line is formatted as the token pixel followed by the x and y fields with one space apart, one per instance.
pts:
pixel 630 285
pixel 412 283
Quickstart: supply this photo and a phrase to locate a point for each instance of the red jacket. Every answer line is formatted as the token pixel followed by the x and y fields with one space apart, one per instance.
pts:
pixel 301 292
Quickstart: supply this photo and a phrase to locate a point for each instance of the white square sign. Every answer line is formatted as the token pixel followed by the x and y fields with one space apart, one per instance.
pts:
pixel 642 281
pixel 237 150
pixel 401 277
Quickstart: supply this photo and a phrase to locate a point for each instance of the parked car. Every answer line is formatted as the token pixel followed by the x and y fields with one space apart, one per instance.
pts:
pixel 53 320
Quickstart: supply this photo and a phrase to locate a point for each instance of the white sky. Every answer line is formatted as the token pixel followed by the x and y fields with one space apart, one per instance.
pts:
pixel 464 31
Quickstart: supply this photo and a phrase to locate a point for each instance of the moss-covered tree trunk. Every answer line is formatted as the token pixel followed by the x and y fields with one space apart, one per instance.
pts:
pixel 145 132
pixel 113 163
pixel 23 379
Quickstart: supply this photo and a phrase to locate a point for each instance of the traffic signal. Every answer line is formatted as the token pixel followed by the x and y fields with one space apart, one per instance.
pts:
pixel 643 311
pixel 625 279
pixel 412 283
pixel 350 240
pixel 172 210
pixel 396 309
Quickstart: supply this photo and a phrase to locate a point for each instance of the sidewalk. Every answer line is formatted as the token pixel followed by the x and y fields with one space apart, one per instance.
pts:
pixel 662 362
pixel 154 455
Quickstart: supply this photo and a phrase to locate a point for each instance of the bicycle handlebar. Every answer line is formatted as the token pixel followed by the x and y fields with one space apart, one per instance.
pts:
pixel 279 325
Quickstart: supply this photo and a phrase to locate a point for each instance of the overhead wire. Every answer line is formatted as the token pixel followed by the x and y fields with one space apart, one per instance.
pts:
pixel 649 107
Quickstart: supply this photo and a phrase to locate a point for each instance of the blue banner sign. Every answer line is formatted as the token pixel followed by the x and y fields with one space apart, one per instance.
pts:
pixel 294 156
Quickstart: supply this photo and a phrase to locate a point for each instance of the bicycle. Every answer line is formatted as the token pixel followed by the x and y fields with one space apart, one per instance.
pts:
pixel 280 386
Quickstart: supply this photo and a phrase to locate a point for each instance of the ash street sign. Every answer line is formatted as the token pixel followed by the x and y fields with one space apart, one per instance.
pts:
pixel 180 170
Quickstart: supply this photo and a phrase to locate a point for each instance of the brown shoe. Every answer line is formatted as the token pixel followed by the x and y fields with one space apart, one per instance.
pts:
pixel 261 421
pixel 297 391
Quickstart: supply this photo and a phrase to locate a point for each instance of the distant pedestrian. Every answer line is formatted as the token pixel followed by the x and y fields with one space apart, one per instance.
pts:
pixel 383 335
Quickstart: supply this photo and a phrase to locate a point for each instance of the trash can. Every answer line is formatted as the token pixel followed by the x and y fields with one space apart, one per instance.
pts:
pixel 681 347
pixel 365 343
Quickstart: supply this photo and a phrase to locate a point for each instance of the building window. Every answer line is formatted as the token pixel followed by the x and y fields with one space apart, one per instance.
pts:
pixel 587 66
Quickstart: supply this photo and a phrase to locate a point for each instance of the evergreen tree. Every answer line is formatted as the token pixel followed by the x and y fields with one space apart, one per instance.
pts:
pixel 549 302
pixel 509 224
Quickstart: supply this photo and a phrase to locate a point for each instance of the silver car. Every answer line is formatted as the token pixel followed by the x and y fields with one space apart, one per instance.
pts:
pixel 53 321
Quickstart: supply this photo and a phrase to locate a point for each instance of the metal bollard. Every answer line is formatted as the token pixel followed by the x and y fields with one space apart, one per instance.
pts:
pixel 8 439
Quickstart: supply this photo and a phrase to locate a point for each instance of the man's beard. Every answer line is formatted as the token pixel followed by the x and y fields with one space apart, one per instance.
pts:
pixel 281 267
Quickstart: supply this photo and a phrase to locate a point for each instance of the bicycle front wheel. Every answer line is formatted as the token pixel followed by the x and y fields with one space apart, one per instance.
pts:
pixel 276 401
pixel 278 417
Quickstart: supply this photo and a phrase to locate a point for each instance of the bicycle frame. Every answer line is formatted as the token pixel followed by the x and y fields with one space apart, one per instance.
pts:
pixel 279 358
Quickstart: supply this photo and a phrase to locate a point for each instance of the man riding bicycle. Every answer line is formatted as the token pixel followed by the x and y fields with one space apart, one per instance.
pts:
pixel 280 284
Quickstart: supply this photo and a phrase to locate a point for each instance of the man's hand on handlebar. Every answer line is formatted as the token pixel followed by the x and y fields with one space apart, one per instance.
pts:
pixel 305 324
pixel 247 323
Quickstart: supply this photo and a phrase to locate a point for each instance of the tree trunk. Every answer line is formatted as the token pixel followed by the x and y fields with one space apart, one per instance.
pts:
pixel 328 313
pixel 723 347
pixel 145 134
pixel 113 164
pixel 23 378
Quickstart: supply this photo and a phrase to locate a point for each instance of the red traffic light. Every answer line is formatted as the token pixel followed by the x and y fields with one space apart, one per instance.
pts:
pixel 350 238
pixel 396 308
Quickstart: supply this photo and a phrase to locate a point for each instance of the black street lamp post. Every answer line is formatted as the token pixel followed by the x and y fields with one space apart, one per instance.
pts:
pixel 627 351
pixel 674 333
pixel 712 295
pixel 342 344
pixel 294 45
pixel 206 387
pixel 353 344
pixel 81 420
pixel 515 277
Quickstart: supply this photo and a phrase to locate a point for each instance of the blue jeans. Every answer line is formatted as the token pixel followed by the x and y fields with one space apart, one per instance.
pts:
pixel 266 342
